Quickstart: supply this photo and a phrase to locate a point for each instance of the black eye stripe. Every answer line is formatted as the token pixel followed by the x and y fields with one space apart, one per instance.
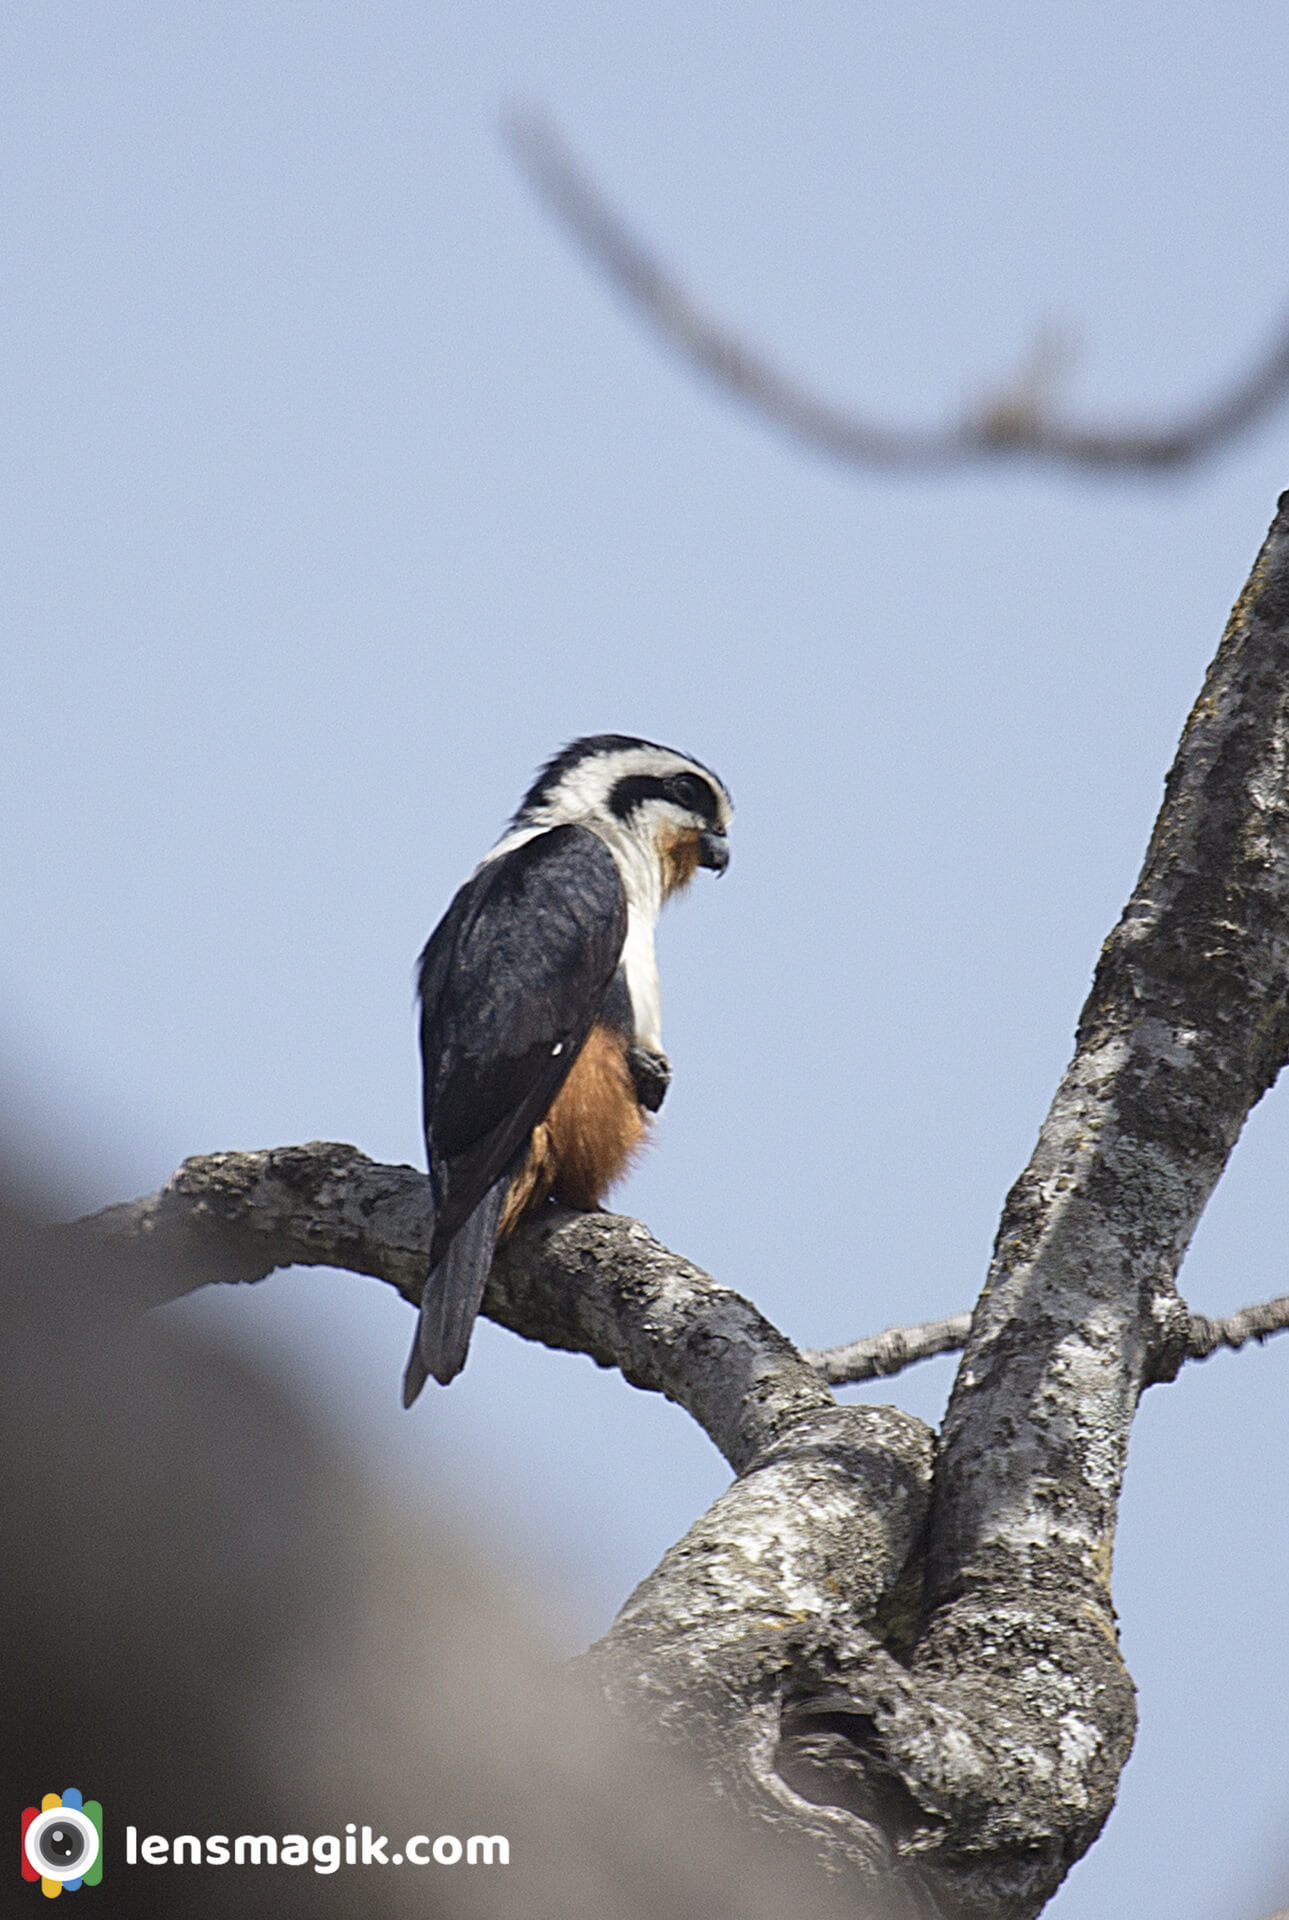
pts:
pixel 695 794
pixel 687 790
pixel 633 790
pixel 698 796
pixel 571 756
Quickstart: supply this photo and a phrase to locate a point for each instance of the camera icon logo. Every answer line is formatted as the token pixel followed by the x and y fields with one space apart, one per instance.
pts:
pixel 62 1843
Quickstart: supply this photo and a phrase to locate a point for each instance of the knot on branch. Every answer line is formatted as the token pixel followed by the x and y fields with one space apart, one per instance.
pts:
pixel 1170 1330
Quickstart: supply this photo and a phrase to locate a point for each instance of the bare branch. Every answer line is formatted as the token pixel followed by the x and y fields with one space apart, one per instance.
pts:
pixel 1186 1026
pixel 881 1355
pixel 831 1502
pixel 1235 1330
pixel 1015 421
pixel 988 1751
pixel 921 1680
pixel 597 1283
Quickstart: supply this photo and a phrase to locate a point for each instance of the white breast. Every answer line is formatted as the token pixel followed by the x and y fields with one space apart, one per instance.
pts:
pixel 642 884
pixel 641 968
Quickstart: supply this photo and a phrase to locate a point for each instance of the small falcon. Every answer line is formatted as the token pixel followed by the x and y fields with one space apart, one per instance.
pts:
pixel 541 1041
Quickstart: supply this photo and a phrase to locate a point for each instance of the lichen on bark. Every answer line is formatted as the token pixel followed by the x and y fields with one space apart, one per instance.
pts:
pixel 900 1651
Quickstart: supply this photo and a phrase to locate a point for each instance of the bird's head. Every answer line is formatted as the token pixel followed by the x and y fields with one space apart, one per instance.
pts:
pixel 648 802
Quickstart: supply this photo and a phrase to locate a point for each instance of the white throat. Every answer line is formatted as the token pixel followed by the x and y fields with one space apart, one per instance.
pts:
pixel 642 884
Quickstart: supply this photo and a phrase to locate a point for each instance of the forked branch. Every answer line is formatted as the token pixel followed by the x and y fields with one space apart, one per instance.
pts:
pixel 918 1677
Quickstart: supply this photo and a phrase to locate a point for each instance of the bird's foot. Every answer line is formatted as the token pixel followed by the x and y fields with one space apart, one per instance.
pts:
pixel 651 1073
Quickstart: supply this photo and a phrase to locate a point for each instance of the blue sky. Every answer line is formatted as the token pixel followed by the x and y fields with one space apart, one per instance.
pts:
pixel 338 492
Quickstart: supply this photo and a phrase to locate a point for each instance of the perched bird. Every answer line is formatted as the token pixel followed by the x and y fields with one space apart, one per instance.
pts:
pixel 541 1042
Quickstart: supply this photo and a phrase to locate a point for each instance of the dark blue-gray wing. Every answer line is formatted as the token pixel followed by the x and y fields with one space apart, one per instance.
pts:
pixel 512 981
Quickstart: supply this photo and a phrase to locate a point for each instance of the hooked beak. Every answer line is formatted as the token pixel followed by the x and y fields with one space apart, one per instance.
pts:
pixel 713 851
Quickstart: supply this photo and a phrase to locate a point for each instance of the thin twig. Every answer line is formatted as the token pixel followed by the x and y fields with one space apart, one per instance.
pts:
pixel 883 1354
pixel 1013 421
pixel 1237 1329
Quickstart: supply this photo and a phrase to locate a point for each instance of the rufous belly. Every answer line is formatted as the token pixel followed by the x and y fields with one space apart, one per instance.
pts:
pixel 588 1139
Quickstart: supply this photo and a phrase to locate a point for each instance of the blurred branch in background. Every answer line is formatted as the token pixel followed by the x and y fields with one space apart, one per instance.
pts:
pixel 1015 420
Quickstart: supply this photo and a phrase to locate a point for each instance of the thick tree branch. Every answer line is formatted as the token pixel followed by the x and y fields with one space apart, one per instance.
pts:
pixel 565 1281
pixel 1014 421
pixel 986 1755
pixel 919 1678
pixel 597 1283
pixel 1186 1026
pixel 830 1508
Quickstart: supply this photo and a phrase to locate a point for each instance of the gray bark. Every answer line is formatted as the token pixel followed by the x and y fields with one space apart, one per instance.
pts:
pixel 904 1655
pixel 880 1355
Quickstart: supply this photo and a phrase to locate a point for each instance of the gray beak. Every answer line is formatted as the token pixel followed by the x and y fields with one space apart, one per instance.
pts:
pixel 713 850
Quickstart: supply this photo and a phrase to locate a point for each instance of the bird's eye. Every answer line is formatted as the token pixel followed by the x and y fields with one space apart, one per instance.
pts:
pixel 692 793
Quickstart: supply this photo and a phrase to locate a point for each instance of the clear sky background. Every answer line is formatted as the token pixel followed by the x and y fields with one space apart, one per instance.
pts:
pixel 338 492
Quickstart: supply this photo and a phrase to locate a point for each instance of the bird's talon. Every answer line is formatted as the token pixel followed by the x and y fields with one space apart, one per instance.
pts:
pixel 651 1074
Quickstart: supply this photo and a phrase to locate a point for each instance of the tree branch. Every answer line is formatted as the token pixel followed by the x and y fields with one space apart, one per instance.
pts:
pixel 596 1283
pixel 986 1754
pixel 1235 1330
pixel 919 1679
pixel 882 1355
pixel 1015 421
pixel 831 1505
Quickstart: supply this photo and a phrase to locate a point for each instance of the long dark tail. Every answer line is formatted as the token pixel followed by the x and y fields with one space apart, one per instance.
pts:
pixel 450 1303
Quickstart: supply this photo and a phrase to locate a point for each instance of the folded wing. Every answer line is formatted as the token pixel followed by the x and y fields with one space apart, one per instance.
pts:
pixel 511 982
